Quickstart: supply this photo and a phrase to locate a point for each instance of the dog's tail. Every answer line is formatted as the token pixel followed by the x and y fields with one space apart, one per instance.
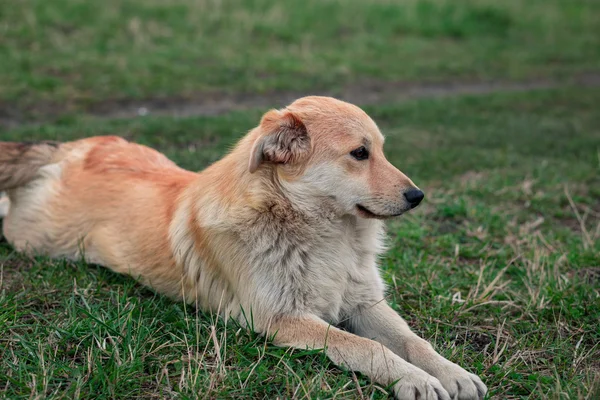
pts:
pixel 20 162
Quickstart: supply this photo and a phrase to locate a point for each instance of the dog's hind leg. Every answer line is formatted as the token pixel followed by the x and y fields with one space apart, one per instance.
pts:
pixel 4 204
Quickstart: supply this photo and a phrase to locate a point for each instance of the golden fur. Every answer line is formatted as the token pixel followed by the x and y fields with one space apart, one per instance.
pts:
pixel 286 228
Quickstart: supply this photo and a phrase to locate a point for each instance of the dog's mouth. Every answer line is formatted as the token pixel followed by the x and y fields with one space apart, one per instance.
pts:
pixel 366 213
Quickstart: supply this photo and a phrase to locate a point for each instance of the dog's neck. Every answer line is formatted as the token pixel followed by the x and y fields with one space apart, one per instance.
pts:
pixel 265 190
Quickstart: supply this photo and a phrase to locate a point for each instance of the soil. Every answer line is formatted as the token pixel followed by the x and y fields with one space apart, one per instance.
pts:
pixel 214 103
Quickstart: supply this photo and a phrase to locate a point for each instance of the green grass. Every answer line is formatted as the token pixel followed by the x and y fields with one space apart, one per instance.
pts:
pixel 495 268
pixel 72 54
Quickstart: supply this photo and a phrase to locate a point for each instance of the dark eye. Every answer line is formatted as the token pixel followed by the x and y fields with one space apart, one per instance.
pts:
pixel 360 154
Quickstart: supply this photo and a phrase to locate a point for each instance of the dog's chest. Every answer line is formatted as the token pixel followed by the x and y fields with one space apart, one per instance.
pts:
pixel 340 269
pixel 322 269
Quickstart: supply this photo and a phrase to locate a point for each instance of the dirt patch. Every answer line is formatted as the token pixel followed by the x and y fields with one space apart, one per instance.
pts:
pixel 472 178
pixel 591 275
pixel 477 341
pixel 448 226
pixel 214 103
pixel 590 217
pixel 12 266
pixel 11 273
pixel 571 224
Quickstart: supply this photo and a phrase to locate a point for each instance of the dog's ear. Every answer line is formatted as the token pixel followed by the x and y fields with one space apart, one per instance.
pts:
pixel 283 140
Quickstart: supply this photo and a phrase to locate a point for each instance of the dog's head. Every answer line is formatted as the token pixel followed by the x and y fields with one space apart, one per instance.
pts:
pixel 331 152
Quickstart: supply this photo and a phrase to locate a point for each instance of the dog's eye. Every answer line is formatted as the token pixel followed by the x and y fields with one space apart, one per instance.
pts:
pixel 360 154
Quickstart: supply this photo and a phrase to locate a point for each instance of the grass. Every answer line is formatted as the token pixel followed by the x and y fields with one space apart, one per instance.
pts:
pixel 495 268
pixel 499 268
pixel 71 54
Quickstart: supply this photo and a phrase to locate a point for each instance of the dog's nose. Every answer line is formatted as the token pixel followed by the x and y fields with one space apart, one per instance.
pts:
pixel 414 197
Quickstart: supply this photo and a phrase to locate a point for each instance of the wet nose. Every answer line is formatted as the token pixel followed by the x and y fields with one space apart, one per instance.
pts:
pixel 414 197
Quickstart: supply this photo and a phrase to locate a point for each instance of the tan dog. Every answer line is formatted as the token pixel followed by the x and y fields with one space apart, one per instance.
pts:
pixel 286 228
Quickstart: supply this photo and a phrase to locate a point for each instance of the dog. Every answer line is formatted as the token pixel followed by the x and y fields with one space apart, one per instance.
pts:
pixel 287 228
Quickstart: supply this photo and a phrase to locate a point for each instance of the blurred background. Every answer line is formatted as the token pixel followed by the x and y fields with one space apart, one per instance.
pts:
pixel 490 106
pixel 70 55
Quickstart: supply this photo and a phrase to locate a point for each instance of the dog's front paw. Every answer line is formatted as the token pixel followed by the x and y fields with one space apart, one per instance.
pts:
pixel 420 385
pixel 460 384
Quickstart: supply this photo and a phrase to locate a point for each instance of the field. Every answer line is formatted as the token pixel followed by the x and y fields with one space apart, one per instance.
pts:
pixel 490 107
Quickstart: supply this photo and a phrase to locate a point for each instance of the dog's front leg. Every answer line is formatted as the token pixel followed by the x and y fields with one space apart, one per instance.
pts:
pixel 381 323
pixel 358 354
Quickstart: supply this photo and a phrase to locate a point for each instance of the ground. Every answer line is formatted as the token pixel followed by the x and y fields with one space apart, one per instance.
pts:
pixel 491 108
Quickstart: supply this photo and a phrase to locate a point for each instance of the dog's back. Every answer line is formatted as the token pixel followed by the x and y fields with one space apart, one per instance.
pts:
pixel 75 200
